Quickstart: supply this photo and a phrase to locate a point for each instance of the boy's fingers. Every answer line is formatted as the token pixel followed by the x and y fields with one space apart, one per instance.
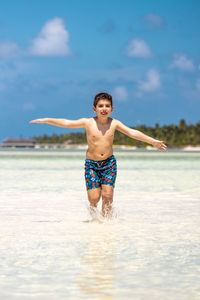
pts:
pixel 35 121
pixel 164 148
pixel 163 144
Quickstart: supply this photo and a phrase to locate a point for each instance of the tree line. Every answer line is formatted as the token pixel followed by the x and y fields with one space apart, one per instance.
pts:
pixel 173 136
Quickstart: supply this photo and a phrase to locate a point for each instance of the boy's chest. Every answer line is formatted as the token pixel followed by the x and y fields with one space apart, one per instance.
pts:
pixel 100 132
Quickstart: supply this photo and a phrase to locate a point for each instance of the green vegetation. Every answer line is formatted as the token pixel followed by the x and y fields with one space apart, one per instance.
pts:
pixel 173 135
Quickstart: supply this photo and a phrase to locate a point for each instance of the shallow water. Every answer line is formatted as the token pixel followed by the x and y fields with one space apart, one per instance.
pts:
pixel 150 250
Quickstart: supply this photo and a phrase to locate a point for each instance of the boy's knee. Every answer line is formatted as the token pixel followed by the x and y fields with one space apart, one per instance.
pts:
pixel 94 200
pixel 107 196
pixel 94 196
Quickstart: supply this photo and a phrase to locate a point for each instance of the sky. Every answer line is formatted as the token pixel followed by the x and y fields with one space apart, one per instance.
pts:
pixel 56 55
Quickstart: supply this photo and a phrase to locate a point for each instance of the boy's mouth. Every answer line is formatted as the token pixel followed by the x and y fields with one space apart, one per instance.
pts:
pixel 104 113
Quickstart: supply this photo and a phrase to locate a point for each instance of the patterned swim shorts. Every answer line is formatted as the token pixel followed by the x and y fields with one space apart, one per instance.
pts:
pixel 100 172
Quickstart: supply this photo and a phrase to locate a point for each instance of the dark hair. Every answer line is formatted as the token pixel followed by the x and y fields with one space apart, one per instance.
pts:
pixel 100 96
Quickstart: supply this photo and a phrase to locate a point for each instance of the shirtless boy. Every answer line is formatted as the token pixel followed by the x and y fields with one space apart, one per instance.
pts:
pixel 100 163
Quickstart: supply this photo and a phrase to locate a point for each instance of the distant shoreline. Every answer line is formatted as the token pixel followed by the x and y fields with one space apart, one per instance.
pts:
pixel 124 147
pixel 85 146
pixel 184 148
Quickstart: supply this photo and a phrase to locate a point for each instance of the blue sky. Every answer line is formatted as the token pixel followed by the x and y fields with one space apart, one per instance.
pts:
pixel 56 55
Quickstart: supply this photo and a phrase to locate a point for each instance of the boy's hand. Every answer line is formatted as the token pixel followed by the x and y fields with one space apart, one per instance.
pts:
pixel 38 121
pixel 159 145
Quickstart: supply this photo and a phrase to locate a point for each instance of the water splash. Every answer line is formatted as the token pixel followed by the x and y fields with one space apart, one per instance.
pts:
pixel 97 217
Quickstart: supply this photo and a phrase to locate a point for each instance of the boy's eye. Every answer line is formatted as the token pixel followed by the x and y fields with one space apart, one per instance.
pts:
pixel 106 105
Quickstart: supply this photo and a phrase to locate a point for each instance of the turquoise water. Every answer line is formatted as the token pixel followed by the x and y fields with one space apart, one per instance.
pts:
pixel 150 250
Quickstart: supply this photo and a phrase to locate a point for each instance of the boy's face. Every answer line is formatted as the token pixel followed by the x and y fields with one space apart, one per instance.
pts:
pixel 103 108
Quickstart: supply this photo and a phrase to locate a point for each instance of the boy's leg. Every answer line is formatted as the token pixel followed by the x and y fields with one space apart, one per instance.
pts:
pixel 93 197
pixel 107 199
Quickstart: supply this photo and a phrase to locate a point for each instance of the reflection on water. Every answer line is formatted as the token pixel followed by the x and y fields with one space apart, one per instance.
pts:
pixel 98 271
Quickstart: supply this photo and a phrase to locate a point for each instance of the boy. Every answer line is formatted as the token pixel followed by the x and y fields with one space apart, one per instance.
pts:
pixel 100 163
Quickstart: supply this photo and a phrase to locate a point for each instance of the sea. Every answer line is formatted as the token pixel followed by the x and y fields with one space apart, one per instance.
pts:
pixel 51 248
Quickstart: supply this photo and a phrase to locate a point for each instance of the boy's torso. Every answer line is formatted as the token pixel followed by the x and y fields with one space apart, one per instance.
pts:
pixel 100 138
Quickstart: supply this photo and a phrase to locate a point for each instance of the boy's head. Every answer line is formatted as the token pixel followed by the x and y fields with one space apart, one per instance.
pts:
pixel 102 96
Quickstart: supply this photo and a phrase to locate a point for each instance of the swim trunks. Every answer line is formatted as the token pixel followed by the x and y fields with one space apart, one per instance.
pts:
pixel 100 172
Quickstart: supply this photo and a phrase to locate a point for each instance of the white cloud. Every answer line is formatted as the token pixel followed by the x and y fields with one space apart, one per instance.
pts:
pixel 120 93
pixel 153 21
pixel 9 49
pixel 138 48
pixel 52 40
pixel 183 63
pixel 152 83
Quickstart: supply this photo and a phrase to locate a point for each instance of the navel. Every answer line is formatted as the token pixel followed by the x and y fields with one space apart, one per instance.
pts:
pixel 101 154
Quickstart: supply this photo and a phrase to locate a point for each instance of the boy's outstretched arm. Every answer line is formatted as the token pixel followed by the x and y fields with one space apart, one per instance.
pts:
pixel 138 135
pixel 80 123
